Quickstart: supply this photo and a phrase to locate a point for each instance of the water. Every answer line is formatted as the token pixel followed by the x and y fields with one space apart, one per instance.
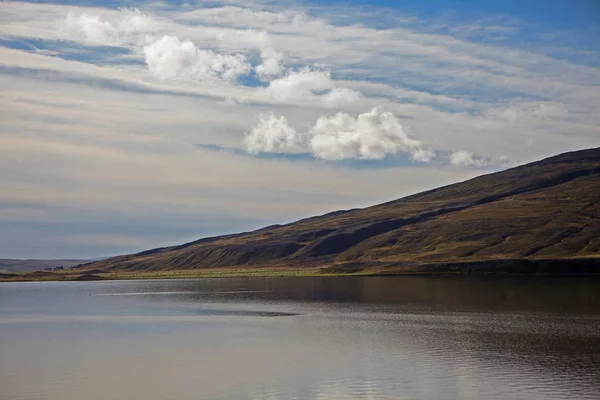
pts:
pixel 301 338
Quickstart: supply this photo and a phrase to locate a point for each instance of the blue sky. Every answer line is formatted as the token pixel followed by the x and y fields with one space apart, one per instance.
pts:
pixel 549 13
pixel 127 126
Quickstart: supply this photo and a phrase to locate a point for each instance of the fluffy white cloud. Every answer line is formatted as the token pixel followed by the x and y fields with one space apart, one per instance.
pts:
pixel 340 97
pixel 300 83
pixel 271 134
pixel 468 159
pixel 372 135
pixel 312 82
pixel 423 155
pixel 368 136
pixel 129 26
pixel 92 27
pixel 137 21
pixel 271 65
pixel 171 57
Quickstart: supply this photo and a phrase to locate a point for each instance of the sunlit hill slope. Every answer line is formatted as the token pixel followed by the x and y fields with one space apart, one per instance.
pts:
pixel 546 210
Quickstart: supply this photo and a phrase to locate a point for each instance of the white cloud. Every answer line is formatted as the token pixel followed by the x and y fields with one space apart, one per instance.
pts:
pixel 271 134
pixel 308 82
pixel 271 65
pixel 92 27
pixel 128 26
pixel 170 58
pixel 372 135
pixel 468 159
pixel 340 97
pixel 304 82
pixel 137 21
pixel 423 155
pixel 368 136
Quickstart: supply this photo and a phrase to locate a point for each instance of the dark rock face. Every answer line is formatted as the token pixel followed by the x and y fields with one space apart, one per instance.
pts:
pixel 548 209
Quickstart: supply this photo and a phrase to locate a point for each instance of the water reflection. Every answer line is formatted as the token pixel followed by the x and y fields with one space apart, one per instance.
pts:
pixel 301 338
pixel 450 293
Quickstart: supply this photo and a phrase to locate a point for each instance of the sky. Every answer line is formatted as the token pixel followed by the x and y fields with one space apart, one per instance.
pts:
pixel 131 125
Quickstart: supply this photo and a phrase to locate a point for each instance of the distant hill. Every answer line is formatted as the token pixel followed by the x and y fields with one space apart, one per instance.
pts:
pixel 548 209
pixel 9 265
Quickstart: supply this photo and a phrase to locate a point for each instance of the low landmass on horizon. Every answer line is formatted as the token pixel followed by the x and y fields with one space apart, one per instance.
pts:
pixel 539 218
pixel 11 265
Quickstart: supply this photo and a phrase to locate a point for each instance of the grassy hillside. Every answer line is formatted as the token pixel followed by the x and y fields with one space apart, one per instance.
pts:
pixel 549 209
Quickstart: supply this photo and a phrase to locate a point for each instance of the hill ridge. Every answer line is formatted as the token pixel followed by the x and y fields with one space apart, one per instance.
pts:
pixel 502 215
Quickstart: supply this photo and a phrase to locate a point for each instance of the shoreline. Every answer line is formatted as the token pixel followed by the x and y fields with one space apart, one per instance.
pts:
pixel 575 267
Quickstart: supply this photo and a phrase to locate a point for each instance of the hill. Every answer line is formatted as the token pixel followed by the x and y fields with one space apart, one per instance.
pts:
pixel 12 265
pixel 546 210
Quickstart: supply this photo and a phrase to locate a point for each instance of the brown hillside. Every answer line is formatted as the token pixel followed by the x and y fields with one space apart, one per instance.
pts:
pixel 549 209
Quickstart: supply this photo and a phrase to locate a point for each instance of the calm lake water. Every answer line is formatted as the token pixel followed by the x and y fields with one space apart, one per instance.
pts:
pixel 301 338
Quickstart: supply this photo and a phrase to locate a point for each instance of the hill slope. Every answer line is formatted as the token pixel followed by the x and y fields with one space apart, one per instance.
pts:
pixel 548 209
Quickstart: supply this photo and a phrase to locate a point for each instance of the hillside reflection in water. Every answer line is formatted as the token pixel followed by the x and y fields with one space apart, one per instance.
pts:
pixel 301 338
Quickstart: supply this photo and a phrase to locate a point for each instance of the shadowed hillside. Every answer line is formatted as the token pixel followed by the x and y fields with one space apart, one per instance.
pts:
pixel 548 209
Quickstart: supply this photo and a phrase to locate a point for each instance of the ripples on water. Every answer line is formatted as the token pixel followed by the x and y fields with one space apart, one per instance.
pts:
pixel 301 338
